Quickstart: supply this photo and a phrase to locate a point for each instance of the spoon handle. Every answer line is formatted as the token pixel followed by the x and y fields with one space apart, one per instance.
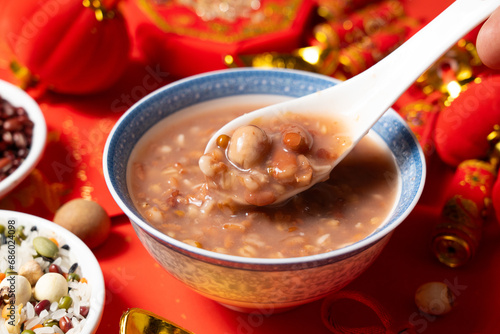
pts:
pixel 384 82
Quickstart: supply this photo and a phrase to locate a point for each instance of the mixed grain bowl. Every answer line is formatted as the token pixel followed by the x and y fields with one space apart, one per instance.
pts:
pixel 51 282
pixel 257 258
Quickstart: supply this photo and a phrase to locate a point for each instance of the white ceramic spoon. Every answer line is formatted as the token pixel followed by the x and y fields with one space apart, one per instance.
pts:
pixel 360 101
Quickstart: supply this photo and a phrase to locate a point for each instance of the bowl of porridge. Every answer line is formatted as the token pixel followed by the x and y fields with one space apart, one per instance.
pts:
pixel 258 256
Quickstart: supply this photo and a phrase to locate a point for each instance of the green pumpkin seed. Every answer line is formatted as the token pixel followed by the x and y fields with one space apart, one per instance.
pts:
pixel 45 247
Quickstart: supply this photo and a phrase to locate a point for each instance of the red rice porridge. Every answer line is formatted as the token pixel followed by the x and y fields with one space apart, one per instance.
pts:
pixel 173 195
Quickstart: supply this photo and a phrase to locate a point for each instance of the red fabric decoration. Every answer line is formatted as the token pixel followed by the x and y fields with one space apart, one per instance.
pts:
pixel 69 46
pixel 184 44
pixel 335 306
pixel 462 128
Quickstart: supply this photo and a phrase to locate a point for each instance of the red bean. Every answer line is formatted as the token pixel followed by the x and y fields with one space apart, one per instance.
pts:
pixel 84 311
pixel 20 139
pixel 296 138
pixel 12 124
pixel 5 164
pixel 65 324
pixel 54 268
pixel 42 305
pixel 7 138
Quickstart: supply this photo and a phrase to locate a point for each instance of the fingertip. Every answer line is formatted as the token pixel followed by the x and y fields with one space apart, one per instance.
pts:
pixel 487 42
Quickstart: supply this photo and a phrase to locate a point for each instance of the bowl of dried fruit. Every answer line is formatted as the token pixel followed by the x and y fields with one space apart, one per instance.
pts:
pixel 258 257
pixel 50 281
pixel 22 136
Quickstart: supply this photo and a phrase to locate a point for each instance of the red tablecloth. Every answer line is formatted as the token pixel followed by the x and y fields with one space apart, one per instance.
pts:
pixel 134 279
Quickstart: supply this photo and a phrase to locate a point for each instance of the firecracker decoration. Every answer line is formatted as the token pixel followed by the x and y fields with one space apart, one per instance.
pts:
pixel 453 109
pixel 333 9
pixel 457 235
pixel 69 47
pixel 452 72
pixel 434 92
pixel 421 115
pixel 456 118
pixel 358 56
pixel 335 33
pixel 311 58
pixel 348 38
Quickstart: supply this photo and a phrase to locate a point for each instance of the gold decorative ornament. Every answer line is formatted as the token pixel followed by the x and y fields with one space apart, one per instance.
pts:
pixel 138 321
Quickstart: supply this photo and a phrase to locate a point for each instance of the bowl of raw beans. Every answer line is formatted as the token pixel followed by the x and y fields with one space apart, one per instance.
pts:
pixel 257 256
pixel 23 133
pixel 50 281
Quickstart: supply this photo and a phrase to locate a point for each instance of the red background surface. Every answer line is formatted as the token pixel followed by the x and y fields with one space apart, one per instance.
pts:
pixel 134 279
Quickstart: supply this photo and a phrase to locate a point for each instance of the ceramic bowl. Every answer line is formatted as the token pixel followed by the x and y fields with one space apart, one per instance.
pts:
pixel 241 283
pixel 19 98
pixel 79 252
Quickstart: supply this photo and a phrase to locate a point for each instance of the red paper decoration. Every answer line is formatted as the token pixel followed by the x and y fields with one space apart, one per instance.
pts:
pixel 70 47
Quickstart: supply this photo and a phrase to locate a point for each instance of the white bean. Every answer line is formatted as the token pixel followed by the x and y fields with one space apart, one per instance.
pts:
pixel 51 286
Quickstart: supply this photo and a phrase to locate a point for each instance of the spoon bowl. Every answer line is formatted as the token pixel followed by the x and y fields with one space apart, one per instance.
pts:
pixel 360 101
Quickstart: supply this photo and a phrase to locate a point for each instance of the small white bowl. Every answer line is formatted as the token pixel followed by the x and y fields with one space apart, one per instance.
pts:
pixel 19 98
pixel 79 251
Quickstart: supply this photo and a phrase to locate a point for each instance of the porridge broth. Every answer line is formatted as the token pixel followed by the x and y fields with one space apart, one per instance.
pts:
pixel 169 191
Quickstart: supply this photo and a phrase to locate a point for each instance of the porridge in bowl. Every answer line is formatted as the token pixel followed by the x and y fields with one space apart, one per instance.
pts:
pixel 172 193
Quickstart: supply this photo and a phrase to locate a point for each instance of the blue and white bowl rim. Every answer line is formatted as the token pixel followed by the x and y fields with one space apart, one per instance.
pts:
pixel 217 84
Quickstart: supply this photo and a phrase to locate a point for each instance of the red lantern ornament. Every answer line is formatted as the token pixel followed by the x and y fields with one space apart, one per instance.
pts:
pixel 462 127
pixel 71 47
